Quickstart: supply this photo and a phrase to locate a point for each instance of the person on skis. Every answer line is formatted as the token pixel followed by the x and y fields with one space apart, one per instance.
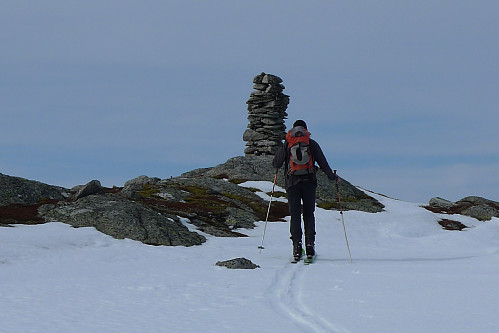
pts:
pixel 299 154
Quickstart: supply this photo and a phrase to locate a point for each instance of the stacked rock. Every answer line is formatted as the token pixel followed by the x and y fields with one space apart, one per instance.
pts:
pixel 266 114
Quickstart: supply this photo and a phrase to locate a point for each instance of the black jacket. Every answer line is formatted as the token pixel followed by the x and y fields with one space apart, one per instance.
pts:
pixel 282 157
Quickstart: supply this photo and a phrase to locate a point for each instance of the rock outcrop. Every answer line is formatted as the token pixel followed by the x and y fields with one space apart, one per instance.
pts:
pixel 16 190
pixel 214 206
pixel 20 199
pixel 91 205
pixel 154 211
pixel 146 209
pixel 243 168
pixel 266 114
pixel 121 218
pixel 480 208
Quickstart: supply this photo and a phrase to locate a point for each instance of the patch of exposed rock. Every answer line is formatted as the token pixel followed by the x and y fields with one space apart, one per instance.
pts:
pixel 214 206
pixel 243 168
pixel 148 209
pixel 20 199
pixel 121 218
pixel 451 224
pixel 17 190
pixel 238 263
pixel 477 207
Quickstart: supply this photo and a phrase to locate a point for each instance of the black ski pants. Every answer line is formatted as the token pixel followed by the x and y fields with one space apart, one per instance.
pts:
pixel 303 191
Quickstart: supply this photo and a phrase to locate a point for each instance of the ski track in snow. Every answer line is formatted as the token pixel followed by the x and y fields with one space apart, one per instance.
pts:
pixel 286 293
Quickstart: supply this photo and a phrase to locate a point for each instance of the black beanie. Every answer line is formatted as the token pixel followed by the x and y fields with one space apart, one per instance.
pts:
pixel 300 123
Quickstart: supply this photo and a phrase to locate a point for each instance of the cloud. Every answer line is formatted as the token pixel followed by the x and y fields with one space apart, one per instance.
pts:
pixel 158 87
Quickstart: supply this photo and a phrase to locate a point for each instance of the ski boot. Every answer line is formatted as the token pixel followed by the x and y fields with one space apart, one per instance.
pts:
pixel 310 251
pixel 297 251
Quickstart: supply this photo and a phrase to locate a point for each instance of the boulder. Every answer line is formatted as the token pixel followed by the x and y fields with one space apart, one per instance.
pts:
pixel 480 208
pixel 477 207
pixel 93 187
pixel 237 263
pixel 451 224
pixel 441 203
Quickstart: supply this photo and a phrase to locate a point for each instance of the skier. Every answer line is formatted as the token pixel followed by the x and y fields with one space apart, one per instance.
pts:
pixel 300 154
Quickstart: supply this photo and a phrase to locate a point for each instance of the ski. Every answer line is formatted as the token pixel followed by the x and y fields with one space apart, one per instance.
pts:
pixel 309 260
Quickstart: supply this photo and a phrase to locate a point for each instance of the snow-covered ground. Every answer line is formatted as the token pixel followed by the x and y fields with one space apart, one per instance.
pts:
pixel 407 275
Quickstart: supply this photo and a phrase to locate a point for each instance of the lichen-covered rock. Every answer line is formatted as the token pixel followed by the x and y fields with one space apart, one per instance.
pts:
pixel 16 190
pixel 477 207
pixel 92 187
pixel 243 168
pixel 121 218
pixel 214 206
pixel 141 183
pixel 481 212
pixel 441 203
pixel 238 263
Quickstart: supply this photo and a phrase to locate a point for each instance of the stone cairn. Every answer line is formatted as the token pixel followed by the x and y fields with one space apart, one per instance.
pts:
pixel 266 114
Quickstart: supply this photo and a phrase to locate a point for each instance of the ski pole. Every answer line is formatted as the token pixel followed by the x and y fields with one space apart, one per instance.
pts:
pixel 268 211
pixel 341 213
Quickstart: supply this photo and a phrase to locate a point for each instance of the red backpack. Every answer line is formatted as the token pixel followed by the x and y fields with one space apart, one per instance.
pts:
pixel 300 158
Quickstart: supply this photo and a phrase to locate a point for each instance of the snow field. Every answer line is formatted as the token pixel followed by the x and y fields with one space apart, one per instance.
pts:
pixel 407 275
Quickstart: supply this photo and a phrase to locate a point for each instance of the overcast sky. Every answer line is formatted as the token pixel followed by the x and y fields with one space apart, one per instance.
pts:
pixel 402 96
